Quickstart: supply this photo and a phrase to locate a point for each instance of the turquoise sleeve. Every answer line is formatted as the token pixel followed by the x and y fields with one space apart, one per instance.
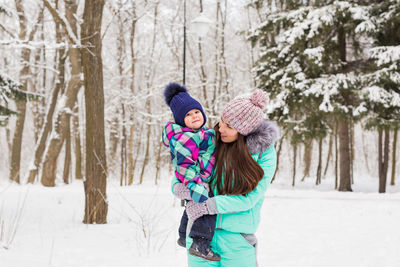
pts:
pixel 238 203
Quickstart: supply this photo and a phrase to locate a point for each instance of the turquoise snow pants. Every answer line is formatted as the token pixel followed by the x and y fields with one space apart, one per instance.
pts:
pixel 235 249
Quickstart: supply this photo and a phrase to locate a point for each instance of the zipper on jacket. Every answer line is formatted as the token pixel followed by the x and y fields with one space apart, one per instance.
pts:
pixel 219 221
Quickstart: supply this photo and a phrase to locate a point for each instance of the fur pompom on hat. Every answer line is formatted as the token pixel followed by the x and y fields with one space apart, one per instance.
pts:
pixel 178 99
pixel 245 114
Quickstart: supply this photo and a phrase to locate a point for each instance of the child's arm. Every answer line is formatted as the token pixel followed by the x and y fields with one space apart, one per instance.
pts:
pixel 186 153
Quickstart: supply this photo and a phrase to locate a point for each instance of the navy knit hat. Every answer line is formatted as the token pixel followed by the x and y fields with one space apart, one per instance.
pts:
pixel 180 102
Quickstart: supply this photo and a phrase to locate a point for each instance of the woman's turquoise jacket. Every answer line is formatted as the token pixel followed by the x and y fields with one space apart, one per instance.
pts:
pixel 241 214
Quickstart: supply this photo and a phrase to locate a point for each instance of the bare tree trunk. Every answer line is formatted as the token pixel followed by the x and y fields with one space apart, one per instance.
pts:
pixel 39 150
pixel 383 157
pixel 146 155
pixel 148 103
pixel 294 163
pixel 278 157
pixel 365 153
pixel 131 169
pixel 336 154
pixel 308 146
pixel 36 106
pixel 351 151
pixel 123 149
pixel 114 136
pixel 394 149
pixel 76 71
pixel 50 163
pixel 319 168
pixel 158 162
pixel 344 146
pixel 74 84
pixel 344 135
pixel 380 156
pixel 137 151
pixel 217 89
pixel 121 56
pixel 67 161
pixel 329 153
pixel 203 75
pixel 250 46
pixel 49 121
pixel 77 141
pixel 21 105
pixel 96 206
pixel 223 70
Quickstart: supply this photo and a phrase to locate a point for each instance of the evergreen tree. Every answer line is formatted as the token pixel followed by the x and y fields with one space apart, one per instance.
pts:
pixel 311 68
pixel 11 90
pixel 381 86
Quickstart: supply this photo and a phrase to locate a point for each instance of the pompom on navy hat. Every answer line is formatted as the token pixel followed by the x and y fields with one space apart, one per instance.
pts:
pixel 180 102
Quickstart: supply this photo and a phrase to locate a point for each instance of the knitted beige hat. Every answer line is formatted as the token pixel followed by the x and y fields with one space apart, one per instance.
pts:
pixel 245 114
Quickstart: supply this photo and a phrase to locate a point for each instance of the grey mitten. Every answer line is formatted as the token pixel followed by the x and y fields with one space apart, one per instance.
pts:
pixel 206 186
pixel 195 210
pixel 181 192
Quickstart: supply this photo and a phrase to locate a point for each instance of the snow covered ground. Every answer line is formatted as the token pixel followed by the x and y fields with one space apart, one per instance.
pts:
pixel 305 226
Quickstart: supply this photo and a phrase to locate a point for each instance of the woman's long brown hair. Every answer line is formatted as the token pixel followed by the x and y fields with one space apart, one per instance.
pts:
pixel 237 173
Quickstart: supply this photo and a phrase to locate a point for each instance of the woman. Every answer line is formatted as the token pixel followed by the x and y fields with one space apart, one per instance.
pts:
pixel 245 165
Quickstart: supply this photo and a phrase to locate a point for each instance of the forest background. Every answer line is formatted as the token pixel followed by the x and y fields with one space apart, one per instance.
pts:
pixel 79 76
pixel 81 115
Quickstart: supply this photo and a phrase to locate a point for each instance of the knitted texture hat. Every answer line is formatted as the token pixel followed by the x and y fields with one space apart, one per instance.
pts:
pixel 180 102
pixel 245 114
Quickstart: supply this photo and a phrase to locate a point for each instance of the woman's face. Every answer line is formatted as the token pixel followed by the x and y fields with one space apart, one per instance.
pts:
pixel 228 134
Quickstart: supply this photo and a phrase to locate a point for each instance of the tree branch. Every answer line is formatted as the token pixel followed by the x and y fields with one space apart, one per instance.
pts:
pixel 63 21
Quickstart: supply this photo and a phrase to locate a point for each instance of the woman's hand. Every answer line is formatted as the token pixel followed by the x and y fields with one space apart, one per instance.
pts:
pixel 195 210
pixel 181 192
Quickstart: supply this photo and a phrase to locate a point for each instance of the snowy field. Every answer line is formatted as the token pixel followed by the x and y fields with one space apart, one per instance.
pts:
pixel 302 227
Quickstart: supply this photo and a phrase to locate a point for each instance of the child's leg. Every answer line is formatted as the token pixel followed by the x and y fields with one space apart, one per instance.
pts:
pixel 204 227
pixel 202 233
pixel 183 225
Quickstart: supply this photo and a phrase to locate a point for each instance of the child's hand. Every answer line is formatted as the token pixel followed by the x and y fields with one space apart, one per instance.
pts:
pixel 181 192
pixel 195 210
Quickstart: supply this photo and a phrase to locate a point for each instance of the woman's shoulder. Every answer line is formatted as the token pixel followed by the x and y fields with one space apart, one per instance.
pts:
pixel 265 135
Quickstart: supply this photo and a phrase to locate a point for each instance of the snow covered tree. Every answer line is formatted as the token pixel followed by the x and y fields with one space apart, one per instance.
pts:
pixel 309 63
pixel 382 85
pixel 24 74
pixel 9 89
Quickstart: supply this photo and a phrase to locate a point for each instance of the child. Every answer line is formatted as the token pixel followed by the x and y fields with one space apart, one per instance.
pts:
pixel 193 156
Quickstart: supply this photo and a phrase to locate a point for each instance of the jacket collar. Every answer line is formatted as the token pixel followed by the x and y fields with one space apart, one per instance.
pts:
pixel 266 134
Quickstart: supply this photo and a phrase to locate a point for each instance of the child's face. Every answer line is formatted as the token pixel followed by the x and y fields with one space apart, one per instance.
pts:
pixel 194 119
